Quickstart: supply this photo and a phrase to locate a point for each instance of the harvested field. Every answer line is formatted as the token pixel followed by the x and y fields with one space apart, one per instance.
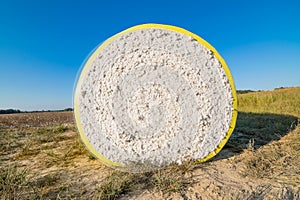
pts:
pixel 38 119
pixel 42 157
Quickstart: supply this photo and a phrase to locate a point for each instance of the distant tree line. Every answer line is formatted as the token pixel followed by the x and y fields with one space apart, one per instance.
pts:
pixel 280 88
pixel 248 91
pixel 244 91
pixel 11 111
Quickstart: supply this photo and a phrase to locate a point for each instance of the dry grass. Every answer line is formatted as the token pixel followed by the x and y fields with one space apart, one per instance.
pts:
pixel 35 161
pixel 172 179
pixel 116 184
pixel 43 159
pixel 13 183
pixel 259 129
pixel 278 161
pixel 282 101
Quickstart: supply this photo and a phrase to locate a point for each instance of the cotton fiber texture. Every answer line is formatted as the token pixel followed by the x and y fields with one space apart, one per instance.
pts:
pixel 153 95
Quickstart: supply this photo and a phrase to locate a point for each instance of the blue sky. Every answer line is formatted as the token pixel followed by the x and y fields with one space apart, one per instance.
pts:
pixel 43 43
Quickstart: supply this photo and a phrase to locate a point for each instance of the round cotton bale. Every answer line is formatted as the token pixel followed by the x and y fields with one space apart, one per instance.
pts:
pixel 153 95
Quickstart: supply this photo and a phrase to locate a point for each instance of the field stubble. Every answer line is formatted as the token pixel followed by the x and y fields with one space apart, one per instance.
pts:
pixel 42 157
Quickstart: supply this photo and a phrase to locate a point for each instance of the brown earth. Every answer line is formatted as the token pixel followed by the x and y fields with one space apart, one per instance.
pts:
pixel 42 157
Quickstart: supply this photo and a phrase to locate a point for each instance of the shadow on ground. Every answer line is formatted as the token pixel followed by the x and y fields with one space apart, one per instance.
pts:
pixel 255 130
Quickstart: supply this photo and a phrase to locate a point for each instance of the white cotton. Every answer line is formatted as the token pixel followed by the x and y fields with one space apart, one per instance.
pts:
pixel 154 96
